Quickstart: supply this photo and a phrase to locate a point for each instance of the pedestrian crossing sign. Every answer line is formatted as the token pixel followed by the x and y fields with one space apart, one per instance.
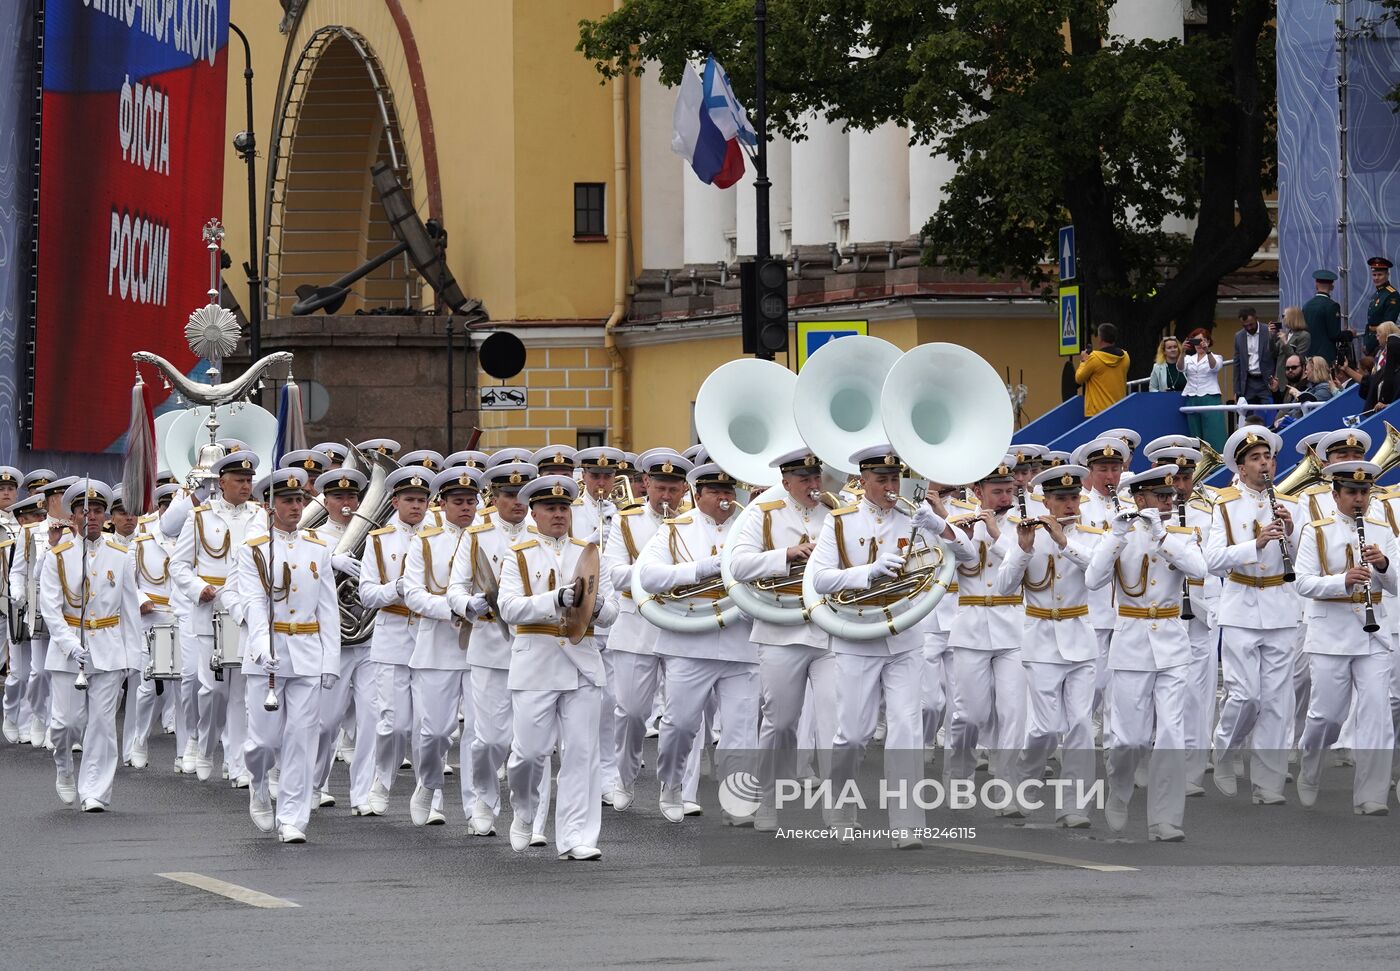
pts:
pixel 1069 321
pixel 813 334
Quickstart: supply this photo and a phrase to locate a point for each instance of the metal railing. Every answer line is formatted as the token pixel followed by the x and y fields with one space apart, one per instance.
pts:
pixel 1141 383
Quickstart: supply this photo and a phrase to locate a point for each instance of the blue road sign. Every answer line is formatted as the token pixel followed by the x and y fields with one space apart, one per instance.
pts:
pixel 1069 321
pixel 1068 269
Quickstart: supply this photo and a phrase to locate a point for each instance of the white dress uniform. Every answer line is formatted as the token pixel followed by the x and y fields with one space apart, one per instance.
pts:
pixel 169 525
pixel 16 705
pixel 391 645
pixel 203 557
pixel 1096 509
pixel 791 658
pixel 103 623
pixel 989 678
pixel 588 515
pixel 441 675
pixel 1348 665
pixel 1386 505
pixel 24 578
pixel 1258 616
pixel 939 689
pixel 556 688
pixel 1058 649
pixel 636 670
pixel 889 668
pixel 724 661
pixel 141 697
pixel 305 639
pixel 1150 657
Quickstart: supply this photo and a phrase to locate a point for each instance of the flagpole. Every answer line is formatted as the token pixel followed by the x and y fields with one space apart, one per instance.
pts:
pixel 760 159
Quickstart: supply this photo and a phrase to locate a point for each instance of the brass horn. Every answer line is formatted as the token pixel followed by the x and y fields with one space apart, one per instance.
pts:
pixel 1210 462
pixel 1305 474
pixel 1388 455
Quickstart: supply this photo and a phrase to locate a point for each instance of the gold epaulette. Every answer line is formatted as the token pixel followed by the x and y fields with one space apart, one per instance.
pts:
pixel 1325 521
pixel 430 531
pixel 142 537
pixel 1091 529
pixel 66 545
pixel 774 504
pixel 577 502
pixel 118 546
pixel 149 517
pixel 579 542
pixel 678 520
pixel 1226 495
pixel 480 528
pixel 843 510
pixel 310 536
pixel 382 531
pixel 5 543
pixel 1181 529
pixel 529 543
pixel 203 508
pixel 1285 497
pixel 1038 497
pixel 1200 503
pixel 1317 490
pixel 531 529
pixel 1378 522
pixel 256 540
pixel 962 504
pixel 632 510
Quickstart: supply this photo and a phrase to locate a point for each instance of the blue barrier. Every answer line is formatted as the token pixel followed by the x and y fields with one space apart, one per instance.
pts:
pixel 1150 414
pixel 1052 424
pixel 1326 418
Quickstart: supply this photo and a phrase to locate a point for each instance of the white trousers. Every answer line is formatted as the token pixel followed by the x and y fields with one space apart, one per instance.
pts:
pixel 139 713
pixel 1338 681
pixel 785 673
pixel 393 701
pixel 862 683
pixel 223 712
pixel 91 715
pixel 1258 669
pixel 16 704
pixel 1061 712
pixel 438 696
pixel 1200 697
pixel 1144 701
pixel 187 714
pixel 634 679
pixel 37 691
pixel 285 738
pixel 607 723
pixel 935 694
pixel 491 735
pixel 689 682
pixel 539 717
pixel 355 685
pixel 991 691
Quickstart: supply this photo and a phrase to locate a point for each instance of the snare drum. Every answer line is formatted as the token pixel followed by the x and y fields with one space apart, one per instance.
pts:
pixel 163 643
pixel 228 640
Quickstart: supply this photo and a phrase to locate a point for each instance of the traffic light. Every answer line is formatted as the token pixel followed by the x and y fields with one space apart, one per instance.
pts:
pixel 763 300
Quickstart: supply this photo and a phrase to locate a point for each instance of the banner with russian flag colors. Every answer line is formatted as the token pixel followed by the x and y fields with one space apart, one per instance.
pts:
pixel 131 165
pixel 710 129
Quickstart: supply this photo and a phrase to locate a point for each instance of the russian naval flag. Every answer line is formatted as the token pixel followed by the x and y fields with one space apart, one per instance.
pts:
pixel 710 127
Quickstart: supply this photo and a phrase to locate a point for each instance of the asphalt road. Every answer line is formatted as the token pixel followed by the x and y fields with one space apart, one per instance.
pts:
pixel 1257 886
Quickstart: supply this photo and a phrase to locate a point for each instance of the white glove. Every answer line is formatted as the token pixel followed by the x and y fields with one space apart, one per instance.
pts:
pixel 347 564
pixel 1122 520
pixel 1154 521
pixel 202 490
pixel 269 664
pixel 398 587
pixel 477 604
pixel 566 596
pixel 887 565
pixel 929 521
pixel 708 567
pixel 81 656
pixel 328 680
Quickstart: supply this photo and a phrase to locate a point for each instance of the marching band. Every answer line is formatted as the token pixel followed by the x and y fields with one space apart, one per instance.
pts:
pixel 523 610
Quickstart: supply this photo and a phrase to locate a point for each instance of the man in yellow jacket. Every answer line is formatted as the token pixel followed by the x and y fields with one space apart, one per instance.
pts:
pixel 1103 372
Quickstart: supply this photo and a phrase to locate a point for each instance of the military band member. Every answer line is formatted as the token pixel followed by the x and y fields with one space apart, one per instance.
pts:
pixel 1341 445
pixel 88 598
pixel 792 658
pixel 150 554
pixel 988 676
pixel 311 462
pixel 13 539
pixel 858 546
pixel 1144 559
pixel 556 686
pixel 34 542
pixel 201 567
pixel 938 654
pixel 395 627
pixel 1258 615
pixel 384 446
pixel 441 679
pixel 488 650
pixel 335 453
pixel 426 457
pixel 340 491
pixel 293 653
pixel 1350 665
pixel 1044 562
pixel 554 460
pixel 1105 457
pixel 636 667
pixel 469 457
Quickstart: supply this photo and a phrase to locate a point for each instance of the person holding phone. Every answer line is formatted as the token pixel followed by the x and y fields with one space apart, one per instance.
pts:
pixel 1202 368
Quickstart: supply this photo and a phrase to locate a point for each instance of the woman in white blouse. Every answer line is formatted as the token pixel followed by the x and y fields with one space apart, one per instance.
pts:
pixel 1202 369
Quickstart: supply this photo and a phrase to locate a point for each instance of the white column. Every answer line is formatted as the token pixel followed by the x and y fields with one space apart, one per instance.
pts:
pixel 928 174
pixel 709 215
pixel 879 184
pixel 663 229
pixel 779 199
pixel 820 182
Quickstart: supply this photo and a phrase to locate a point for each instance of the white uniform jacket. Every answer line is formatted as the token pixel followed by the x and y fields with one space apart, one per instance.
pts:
pixel 306 614
pixel 204 555
pixel 440 643
pixel 381 565
pixel 1335 615
pixel 631 531
pixel 1254 594
pixel 1095 511
pixel 587 513
pixel 759 552
pixel 671 559
pixel 112 616
pixel 986 620
pixel 1050 581
pixel 1145 577
pixel 541 659
pixel 488 647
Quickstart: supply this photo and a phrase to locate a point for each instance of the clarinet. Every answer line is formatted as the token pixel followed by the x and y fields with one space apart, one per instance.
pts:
pixel 1021 506
pixel 1288 574
pixel 1186 612
pixel 1370 626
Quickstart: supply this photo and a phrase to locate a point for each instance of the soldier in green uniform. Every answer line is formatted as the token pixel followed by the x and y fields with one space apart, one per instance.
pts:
pixel 1385 302
pixel 1324 318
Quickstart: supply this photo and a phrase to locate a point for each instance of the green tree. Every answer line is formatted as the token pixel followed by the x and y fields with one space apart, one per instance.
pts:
pixel 1049 119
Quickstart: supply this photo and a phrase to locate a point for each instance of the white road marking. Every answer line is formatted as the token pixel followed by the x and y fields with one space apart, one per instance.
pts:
pixel 253 898
pixel 1037 857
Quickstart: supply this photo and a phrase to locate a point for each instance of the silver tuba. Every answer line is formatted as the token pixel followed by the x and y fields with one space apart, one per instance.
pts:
pixel 357 623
